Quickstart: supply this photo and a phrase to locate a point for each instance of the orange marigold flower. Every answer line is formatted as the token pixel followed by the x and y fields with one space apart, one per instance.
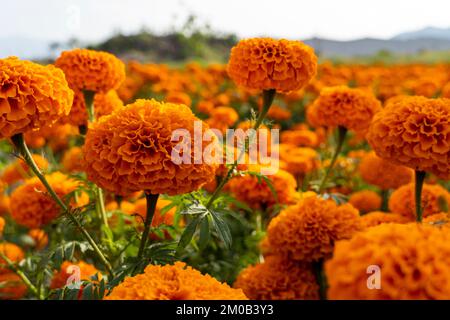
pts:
pixel 412 258
pixel 383 173
pixel 131 150
pixel 376 218
pixel 18 170
pixel 257 194
pixel 173 282
pixel 278 113
pixel 39 237
pixel 434 198
pixel 300 138
pixel 308 230
pixel 91 70
pixel 33 207
pixel 438 219
pixel 2 226
pixel 13 252
pixel 298 161
pixel 365 200
pixel 278 279
pixel 179 97
pixel 445 93
pixel 57 136
pixel 264 63
pixel 104 104
pixel 31 96
pixel 346 107
pixel 73 160
pixel 414 132
pixel 159 218
pixel 12 287
pixel 4 204
pixel 87 271
pixel 222 118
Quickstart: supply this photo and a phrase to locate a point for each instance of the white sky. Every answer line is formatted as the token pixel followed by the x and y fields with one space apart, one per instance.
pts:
pixel 337 19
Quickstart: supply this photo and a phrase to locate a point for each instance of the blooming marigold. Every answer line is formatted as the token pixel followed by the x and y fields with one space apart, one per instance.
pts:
pixel 33 207
pixel 179 98
pixel 87 271
pixel 307 230
pixel 131 150
pixel 365 200
pixel 298 161
pixel 300 138
pixel 19 170
pixel 412 258
pixel 2 226
pixel 222 118
pixel 39 237
pixel 173 282
pixel 414 132
pixel 278 279
pixel 104 104
pixel 434 198
pixel 11 287
pixel 383 173
pixel 264 63
pixel 73 160
pixel 159 218
pixel 31 96
pixel 257 194
pixel 346 107
pixel 376 218
pixel 91 70
pixel 13 252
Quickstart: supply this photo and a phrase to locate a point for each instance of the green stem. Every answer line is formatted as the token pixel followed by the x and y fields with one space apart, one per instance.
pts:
pixel 152 199
pixel 321 278
pixel 22 147
pixel 268 96
pixel 342 131
pixel 385 198
pixel 89 102
pixel 420 178
pixel 31 287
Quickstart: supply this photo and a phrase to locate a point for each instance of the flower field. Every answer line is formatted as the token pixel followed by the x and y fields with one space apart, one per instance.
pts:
pixel 272 177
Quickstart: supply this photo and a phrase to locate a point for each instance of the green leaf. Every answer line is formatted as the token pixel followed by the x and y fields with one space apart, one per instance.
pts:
pixel 205 233
pixel 222 228
pixel 188 233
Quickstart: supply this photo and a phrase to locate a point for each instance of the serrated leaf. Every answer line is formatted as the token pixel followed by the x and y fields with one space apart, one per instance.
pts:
pixel 188 233
pixel 205 233
pixel 222 228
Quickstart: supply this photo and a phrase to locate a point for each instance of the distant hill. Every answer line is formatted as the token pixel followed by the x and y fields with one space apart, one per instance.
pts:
pixel 425 33
pixel 368 46
pixel 213 46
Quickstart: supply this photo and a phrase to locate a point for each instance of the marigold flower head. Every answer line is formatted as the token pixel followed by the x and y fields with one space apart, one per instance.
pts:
pixel 365 200
pixel 222 118
pixel 73 160
pixel 104 104
pixel 159 218
pixel 298 161
pixel 91 70
pixel 300 138
pixel 2 226
pixel 12 287
pixel 31 96
pixel 278 278
pixel 278 113
pixel 173 282
pixel 376 218
pixel 87 271
pixel 352 108
pixel 18 170
pixel 39 237
pixel 33 207
pixel 383 173
pixel 446 91
pixel 56 137
pixel 257 193
pixel 131 150
pixel 13 252
pixel 4 204
pixel 414 132
pixel 264 63
pixel 412 258
pixel 308 230
pixel 179 97
pixel 434 198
